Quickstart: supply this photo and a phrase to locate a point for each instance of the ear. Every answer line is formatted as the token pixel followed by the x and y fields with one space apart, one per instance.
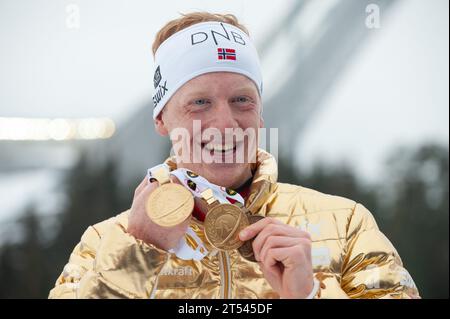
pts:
pixel 160 126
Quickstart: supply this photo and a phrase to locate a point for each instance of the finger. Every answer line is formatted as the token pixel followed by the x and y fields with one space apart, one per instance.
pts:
pixel 278 242
pixel 141 186
pixel 276 255
pixel 276 230
pixel 273 275
pixel 148 188
pixel 289 256
pixel 252 230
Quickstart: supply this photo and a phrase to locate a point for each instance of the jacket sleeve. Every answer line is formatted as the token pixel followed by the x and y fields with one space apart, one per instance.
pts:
pixel 372 267
pixel 112 264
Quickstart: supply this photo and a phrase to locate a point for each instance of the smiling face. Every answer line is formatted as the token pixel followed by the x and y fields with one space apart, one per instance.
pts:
pixel 219 102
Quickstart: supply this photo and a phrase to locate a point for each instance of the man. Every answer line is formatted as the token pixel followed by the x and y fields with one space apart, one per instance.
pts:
pixel 309 245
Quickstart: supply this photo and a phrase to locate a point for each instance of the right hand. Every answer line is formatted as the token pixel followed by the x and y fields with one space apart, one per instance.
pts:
pixel 141 226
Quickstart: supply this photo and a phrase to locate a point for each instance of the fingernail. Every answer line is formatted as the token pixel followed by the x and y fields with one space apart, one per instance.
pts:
pixel 243 234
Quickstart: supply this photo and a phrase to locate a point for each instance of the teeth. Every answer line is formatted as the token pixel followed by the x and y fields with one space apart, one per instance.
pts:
pixel 219 147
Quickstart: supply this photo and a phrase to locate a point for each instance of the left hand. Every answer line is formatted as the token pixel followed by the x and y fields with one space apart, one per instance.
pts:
pixel 284 255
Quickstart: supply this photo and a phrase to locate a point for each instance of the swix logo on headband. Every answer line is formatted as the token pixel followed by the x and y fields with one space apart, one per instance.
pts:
pixel 161 89
pixel 157 77
pixel 226 54
pixel 160 93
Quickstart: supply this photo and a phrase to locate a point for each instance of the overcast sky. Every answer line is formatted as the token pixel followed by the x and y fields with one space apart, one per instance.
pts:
pixel 394 93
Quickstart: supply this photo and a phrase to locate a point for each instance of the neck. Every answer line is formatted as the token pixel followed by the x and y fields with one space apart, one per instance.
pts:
pixel 246 184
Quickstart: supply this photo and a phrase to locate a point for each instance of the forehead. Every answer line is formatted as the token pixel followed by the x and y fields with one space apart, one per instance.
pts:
pixel 217 82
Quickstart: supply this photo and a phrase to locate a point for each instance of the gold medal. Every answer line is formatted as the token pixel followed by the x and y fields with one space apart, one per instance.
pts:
pixel 246 250
pixel 223 222
pixel 222 226
pixel 169 204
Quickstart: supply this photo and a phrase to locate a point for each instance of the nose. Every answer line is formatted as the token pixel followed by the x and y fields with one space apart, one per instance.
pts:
pixel 223 116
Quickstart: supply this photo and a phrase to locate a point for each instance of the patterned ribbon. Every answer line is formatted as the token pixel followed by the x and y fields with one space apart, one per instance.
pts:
pixel 196 184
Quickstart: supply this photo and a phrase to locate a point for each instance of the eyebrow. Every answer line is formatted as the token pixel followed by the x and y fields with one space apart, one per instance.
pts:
pixel 249 87
pixel 197 93
pixel 246 88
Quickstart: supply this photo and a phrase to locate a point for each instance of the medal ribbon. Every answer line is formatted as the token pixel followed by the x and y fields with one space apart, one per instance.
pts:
pixel 196 184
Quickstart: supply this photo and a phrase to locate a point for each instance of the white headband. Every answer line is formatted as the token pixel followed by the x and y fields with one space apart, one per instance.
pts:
pixel 202 48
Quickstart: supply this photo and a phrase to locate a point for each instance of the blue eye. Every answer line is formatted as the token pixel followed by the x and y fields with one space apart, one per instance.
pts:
pixel 241 99
pixel 200 102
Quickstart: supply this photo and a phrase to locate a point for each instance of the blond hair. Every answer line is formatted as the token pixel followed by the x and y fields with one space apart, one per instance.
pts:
pixel 188 19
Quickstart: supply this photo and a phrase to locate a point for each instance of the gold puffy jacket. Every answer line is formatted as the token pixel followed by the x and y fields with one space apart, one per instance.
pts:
pixel 351 257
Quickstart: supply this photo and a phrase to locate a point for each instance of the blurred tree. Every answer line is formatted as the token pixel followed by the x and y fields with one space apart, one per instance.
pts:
pixel 24 268
pixel 92 196
pixel 29 267
pixel 417 219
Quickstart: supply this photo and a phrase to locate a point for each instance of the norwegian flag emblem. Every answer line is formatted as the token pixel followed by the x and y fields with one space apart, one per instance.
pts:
pixel 226 54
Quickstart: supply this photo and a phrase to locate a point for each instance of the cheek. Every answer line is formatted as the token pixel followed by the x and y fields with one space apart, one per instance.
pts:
pixel 173 115
pixel 173 120
pixel 188 137
pixel 250 122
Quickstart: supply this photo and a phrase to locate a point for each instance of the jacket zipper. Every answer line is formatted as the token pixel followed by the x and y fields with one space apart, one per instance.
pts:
pixel 225 274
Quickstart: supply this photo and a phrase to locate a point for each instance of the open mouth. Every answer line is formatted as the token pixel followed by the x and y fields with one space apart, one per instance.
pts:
pixel 222 152
pixel 219 148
